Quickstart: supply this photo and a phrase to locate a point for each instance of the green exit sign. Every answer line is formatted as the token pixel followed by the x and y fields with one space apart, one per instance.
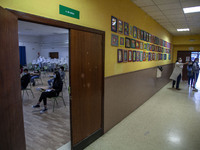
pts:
pixel 69 12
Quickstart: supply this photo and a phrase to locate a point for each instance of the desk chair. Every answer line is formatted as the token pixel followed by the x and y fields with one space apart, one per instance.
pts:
pixel 55 99
pixel 28 89
pixel 36 79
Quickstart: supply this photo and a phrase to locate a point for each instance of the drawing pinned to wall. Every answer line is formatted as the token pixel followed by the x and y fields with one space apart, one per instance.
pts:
pixel 119 55
pixel 153 47
pixel 134 56
pixel 153 56
pixel 131 30
pixel 137 44
pixel 126 28
pixel 113 24
pixel 133 43
pixel 165 56
pixel 138 33
pixel 127 42
pixel 125 56
pixel 141 45
pixel 141 34
pixel 130 56
pixel 114 40
pixel 145 36
pixel 145 46
pixel 144 56
pixel 150 38
pixel 135 32
pixel 121 41
pixel 138 55
pixel 120 26
pixel 169 57
pixel 148 46
pixel 149 58
pixel 141 56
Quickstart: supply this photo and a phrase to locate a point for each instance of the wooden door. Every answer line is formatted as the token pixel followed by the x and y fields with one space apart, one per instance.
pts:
pixel 183 55
pixel 11 115
pixel 87 77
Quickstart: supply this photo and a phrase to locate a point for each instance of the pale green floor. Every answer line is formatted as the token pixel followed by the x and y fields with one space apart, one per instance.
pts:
pixel 170 120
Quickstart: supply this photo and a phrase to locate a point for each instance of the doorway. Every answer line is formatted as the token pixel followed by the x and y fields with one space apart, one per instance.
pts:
pixel 86 52
pixel 40 41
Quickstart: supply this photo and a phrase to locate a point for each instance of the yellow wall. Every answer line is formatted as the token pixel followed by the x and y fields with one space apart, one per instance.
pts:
pixel 185 43
pixel 97 14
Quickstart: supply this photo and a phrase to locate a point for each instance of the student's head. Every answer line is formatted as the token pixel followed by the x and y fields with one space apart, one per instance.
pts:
pixel 62 68
pixel 196 60
pixel 180 60
pixel 25 70
pixel 57 77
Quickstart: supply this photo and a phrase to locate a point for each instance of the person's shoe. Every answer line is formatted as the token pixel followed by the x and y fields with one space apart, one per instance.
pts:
pixel 194 89
pixel 36 106
pixel 178 88
pixel 44 110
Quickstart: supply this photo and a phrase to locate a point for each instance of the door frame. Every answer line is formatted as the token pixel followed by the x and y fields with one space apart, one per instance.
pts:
pixel 51 22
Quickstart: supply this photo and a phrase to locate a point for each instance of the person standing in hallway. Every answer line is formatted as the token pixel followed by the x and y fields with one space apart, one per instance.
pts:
pixel 177 72
pixel 190 74
pixel 195 69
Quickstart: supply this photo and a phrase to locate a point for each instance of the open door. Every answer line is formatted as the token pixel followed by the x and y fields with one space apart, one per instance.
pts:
pixel 184 55
pixel 11 126
pixel 87 81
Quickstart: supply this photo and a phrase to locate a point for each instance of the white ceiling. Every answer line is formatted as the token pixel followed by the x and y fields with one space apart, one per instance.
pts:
pixel 169 14
pixel 34 29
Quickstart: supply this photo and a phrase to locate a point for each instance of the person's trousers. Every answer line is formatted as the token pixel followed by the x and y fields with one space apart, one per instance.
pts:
pixel 190 80
pixel 46 95
pixel 177 81
pixel 195 76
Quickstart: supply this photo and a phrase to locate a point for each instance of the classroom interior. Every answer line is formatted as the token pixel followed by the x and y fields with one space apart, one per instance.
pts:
pixel 44 48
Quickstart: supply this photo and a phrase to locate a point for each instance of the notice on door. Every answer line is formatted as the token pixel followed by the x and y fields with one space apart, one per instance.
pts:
pixel 69 12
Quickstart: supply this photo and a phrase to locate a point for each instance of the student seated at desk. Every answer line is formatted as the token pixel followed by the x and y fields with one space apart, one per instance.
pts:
pixel 62 76
pixel 35 75
pixel 48 93
pixel 25 79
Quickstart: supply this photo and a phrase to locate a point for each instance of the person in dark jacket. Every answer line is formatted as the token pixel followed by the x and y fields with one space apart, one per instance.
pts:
pixel 190 74
pixel 195 69
pixel 25 79
pixel 53 92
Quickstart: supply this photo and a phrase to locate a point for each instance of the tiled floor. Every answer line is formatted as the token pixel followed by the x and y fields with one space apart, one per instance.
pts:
pixel 170 120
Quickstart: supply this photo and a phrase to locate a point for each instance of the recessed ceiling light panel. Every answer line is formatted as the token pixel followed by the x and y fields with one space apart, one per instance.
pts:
pixel 186 29
pixel 191 9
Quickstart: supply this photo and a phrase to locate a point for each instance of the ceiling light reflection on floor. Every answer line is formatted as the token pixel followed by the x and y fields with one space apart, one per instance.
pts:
pixel 174 138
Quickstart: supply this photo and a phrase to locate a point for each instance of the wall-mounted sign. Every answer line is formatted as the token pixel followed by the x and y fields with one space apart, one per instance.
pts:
pixel 69 12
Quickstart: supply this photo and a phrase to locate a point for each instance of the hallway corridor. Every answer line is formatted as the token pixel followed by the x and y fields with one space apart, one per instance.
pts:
pixel 170 120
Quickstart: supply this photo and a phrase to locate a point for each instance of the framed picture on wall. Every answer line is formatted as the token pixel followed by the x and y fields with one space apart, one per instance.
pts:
pixel 137 44
pixel 165 56
pixel 135 32
pixel 169 57
pixel 119 55
pixel 121 41
pixel 138 33
pixel 147 56
pixel 141 45
pixel 131 30
pixel 125 56
pixel 145 46
pixel 153 47
pixel 133 43
pixel 138 55
pixel 144 56
pixel 120 26
pixel 126 28
pixel 151 56
pixel 114 40
pixel 113 24
pixel 141 56
pixel 150 38
pixel 127 42
pixel 130 56
pixel 134 56
pixel 147 37
pixel 141 34
pixel 150 47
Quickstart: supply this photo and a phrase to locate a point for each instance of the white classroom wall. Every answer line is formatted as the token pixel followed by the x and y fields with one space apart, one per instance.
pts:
pixel 44 45
pixel 32 44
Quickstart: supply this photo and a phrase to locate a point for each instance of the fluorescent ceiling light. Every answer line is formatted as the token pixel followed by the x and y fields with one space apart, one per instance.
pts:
pixel 186 29
pixel 191 9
